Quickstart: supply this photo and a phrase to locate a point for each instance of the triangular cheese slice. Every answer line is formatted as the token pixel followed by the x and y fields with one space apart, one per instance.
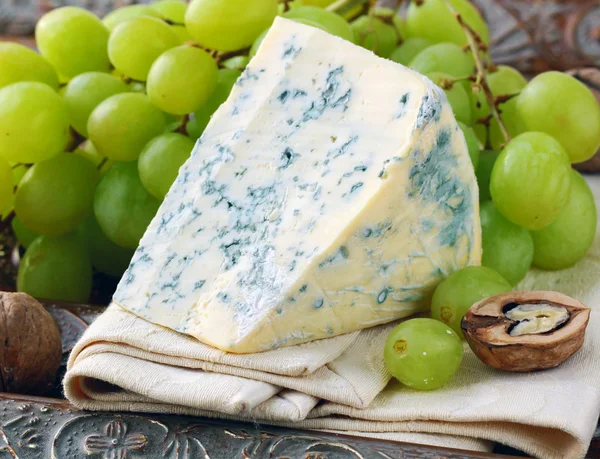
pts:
pixel 331 192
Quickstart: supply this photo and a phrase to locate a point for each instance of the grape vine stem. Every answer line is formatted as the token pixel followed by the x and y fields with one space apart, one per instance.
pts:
pixel 343 6
pixel 476 46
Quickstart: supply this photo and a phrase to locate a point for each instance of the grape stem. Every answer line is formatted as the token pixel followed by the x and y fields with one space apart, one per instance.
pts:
pixel 476 45
pixel 344 6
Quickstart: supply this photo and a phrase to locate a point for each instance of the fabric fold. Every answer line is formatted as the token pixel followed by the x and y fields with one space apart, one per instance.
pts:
pixel 123 363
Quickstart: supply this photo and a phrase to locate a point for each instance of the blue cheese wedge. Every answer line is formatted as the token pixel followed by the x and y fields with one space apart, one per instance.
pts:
pixel 331 192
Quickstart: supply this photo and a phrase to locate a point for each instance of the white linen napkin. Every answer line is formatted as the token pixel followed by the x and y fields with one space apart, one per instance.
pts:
pixel 123 363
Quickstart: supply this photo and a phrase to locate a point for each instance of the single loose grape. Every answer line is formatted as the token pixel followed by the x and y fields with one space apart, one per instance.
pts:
pixel 73 40
pixel 567 239
pixel 228 25
pixel 56 268
pixel 160 161
pixel 172 10
pixel 225 81
pixel 88 151
pixel 7 184
pixel 561 106
pixel 120 15
pixel 487 159
pixel 122 125
pixel 530 180
pixel 435 21
pixel 423 354
pixel 135 44
pixel 24 235
pixel 19 63
pixel 472 144
pixel 409 48
pixel 460 290
pixel 85 92
pixel 444 57
pixel 34 122
pixel 329 21
pixel 182 79
pixel 507 248
pixel 372 33
pixel 106 256
pixel 457 97
pixel 55 195
pixel 122 205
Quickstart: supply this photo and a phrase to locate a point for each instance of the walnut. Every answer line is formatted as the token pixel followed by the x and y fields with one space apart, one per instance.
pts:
pixel 30 346
pixel 525 331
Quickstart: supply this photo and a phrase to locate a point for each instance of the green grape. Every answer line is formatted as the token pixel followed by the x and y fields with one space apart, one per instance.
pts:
pixel 174 122
pixel 19 171
pixel 507 248
pixel 228 25
pixel 56 268
pixel 567 239
pixel 374 34
pixel 182 33
pixel 409 48
pixel 472 143
pixel 561 106
pixel 181 79
pixel 107 257
pixel 225 81
pixel 423 354
pixel 160 161
pixel 462 289
pixel 436 22
pixel 120 15
pixel 73 40
pixel 458 98
pixel 24 235
pixel 172 10
pixel 137 86
pixel 444 57
pixel 88 150
pixel 34 122
pixel 122 205
pixel 134 45
pixel 236 62
pixel 530 180
pixel 483 172
pixel 19 63
pixel 56 195
pixel 504 81
pixel 328 20
pixel 391 15
pixel 256 44
pixel 85 92
pixel 7 184
pixel 123 124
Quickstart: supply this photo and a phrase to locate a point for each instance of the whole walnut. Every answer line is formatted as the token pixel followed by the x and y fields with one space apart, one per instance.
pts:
pixel 30 346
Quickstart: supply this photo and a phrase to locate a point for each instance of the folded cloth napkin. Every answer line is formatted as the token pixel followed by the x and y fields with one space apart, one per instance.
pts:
pixel 124 363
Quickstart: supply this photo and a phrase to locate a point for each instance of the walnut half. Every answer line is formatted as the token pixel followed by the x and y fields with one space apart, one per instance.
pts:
pixel 30 347
pixel 525 331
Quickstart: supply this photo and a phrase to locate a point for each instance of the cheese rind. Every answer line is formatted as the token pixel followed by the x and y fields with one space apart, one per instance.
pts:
pixel 331 192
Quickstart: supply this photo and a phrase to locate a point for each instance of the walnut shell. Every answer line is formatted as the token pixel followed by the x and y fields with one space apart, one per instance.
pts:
pixel 525 331
pixel 30 346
